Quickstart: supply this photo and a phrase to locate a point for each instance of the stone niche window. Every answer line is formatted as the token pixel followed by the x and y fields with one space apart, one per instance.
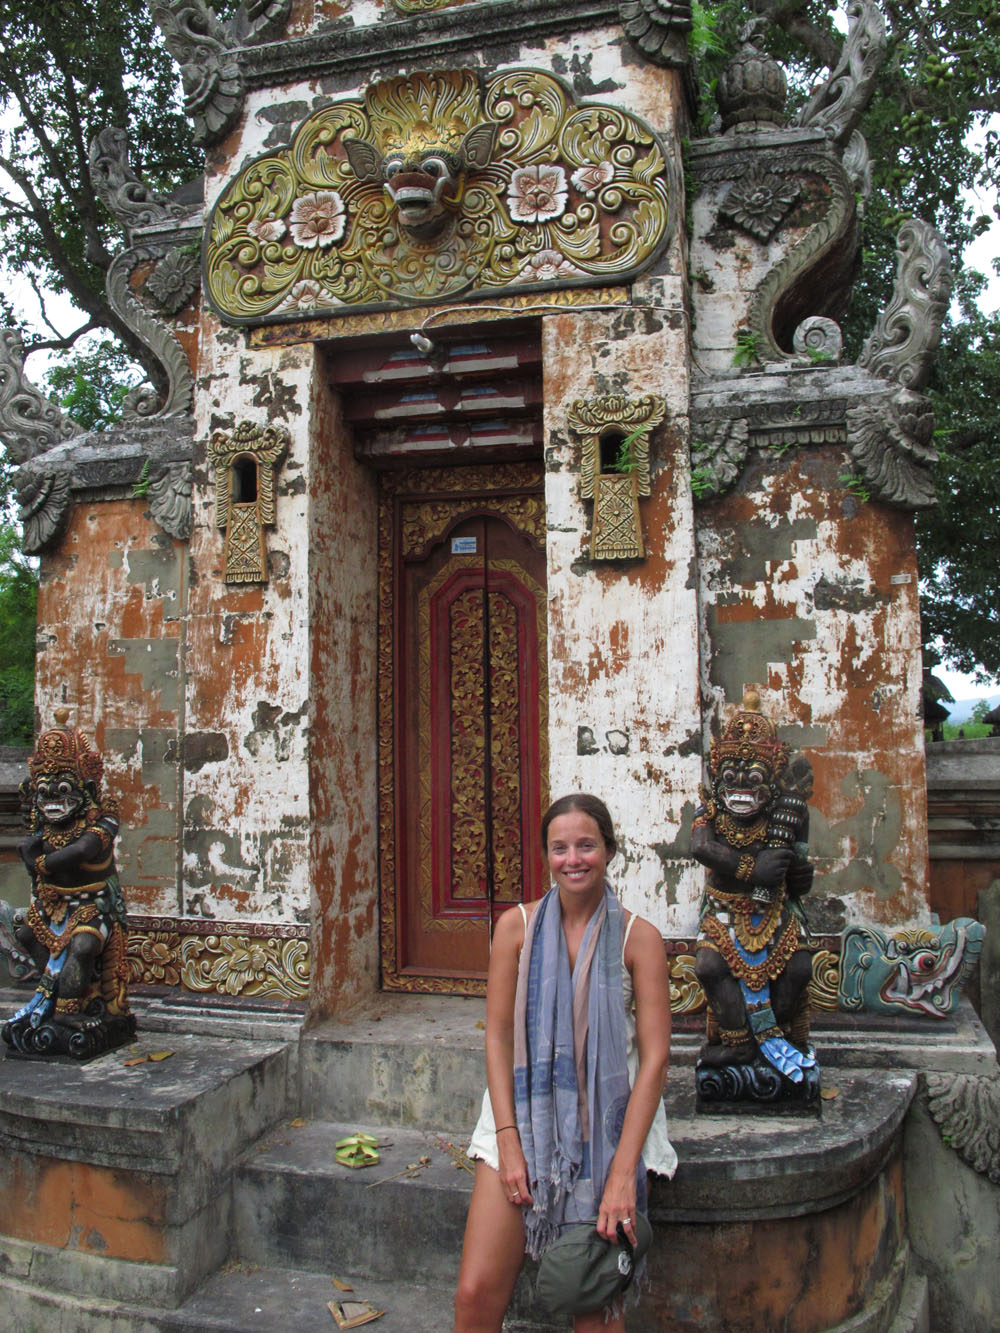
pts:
pixel 244 460
pixel 614 468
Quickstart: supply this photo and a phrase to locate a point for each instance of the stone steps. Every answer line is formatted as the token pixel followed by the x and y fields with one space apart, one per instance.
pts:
pixel 295 1206
pixel 246 1131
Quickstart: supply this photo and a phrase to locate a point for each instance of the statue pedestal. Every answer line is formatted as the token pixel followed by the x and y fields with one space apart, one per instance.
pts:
pixel 756 1088
pixel 777 1222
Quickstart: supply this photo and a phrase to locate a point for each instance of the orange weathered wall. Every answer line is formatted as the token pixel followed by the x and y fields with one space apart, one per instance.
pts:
pixel 811 594
pixel 110 634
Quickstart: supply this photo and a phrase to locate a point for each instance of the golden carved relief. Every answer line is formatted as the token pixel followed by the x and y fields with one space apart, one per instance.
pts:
pixel 541 192
pixel 505 744
pixel 153 960
pixel 244 460
pixel 246 965
pixel 825 979
pixel 467 749
pixel 242 962
pixel 686 994
pixel 614 468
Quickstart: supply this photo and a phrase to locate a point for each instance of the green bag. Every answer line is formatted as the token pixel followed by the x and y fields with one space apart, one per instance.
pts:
pixel 582 1272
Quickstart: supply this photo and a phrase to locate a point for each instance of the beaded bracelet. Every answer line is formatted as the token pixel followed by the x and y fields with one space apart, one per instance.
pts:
pixel 503 1127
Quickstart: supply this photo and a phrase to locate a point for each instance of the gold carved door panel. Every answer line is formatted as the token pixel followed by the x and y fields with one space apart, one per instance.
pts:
pixel 462 689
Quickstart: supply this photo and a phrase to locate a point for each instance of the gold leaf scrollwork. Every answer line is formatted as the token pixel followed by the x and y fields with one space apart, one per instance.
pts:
pixel 686 994
pixel 246 965
pixel 825 979
pixel 572 193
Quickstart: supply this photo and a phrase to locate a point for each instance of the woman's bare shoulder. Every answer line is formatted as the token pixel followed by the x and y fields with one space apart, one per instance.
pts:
pixel 644 942
pixel 509 929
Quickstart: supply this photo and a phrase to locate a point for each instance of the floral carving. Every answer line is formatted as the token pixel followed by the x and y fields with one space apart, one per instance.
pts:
pixel 316 220
pixel 153 960
pixel 246 965
pixel 310 229
pixel 537 194
pixel 173 280
pixel 44 499
pixel 759 202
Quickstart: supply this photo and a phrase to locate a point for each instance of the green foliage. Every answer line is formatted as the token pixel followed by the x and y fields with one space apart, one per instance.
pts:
pixel 701 479
pixel 69 68
pixel 18 602
pixel 625 460
pixel 980 709
pixel 141 486
pixel 747 348
pixel 957 542
pixel 855 483
pixel 91 383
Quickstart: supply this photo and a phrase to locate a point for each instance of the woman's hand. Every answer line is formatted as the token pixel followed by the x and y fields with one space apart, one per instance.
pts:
pixel 617 1205
pixel 513 1168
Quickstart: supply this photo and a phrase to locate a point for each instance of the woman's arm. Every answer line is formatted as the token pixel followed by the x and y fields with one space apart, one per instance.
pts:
pixel 501 986
pixel 646 961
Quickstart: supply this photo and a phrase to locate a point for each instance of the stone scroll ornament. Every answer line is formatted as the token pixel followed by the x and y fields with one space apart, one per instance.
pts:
pixel 172 280
pixel 435 186
pixel 30 423
pixel 614 468
pixel 891 437
pixel 244 460
pixel 75 928
pixel 751 833
pixel 914 972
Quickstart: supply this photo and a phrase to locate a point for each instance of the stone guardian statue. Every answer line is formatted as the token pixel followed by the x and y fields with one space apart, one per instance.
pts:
pixel 751 833
pixel 75 927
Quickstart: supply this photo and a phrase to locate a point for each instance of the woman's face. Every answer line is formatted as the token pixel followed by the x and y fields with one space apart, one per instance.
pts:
pixel 576 852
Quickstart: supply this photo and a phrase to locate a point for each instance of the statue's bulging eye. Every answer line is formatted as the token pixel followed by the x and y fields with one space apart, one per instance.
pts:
pixel 729 776
pixel 393 166
pixel 65 789
pixel 434 167
pixel 924 962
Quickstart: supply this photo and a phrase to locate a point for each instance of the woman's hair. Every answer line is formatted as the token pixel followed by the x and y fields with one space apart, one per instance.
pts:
pixel 586 805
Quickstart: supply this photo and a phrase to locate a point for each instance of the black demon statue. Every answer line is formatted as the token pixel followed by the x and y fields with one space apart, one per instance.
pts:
pixel 751 832
pixel 74 930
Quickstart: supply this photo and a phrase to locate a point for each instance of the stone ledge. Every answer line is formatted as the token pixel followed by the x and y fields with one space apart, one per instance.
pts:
pixel 341 50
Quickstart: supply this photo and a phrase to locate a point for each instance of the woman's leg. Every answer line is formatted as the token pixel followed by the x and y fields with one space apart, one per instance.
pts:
pixel 491 1256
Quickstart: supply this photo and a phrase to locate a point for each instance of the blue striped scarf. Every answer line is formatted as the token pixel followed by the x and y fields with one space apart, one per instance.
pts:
pixel 571 1084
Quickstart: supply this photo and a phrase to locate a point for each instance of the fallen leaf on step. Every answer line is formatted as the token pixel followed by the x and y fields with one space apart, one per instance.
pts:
pixel 139 1060
pixel 828 1094
pixel 480 1025
pixel 352 1314
pixel 160 1055
pixel 298 1122
pixel 341 1286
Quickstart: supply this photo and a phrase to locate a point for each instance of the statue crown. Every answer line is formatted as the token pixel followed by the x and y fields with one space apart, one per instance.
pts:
pixel 65 750
pixel 751 737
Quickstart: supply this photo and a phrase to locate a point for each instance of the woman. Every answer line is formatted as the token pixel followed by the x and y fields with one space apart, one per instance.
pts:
pixel 568 1109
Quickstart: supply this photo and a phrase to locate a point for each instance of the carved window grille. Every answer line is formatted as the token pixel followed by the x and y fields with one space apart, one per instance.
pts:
pixel 244 461
pixel 614 469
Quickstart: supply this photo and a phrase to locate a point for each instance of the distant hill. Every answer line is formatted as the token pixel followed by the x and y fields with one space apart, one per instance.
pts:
pixel 961 710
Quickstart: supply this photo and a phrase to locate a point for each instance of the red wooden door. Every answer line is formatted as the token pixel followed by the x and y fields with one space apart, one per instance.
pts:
pixel 469 749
